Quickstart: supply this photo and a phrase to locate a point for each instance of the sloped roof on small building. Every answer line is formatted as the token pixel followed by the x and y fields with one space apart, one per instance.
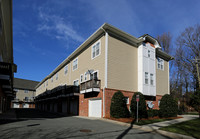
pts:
pixel 24 84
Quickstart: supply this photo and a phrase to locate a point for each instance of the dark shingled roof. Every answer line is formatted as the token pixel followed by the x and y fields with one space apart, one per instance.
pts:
pixel 24 84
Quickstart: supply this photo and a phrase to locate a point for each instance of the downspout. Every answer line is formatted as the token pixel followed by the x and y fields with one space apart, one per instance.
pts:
pixel 106 69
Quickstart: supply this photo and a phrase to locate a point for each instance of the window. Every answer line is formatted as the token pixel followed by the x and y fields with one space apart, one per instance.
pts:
pixel 149 53
pixel 75 64
pixel 52 79
pixel 96 50
pixel 158 102
pixel 56 76
pixel 94 75
pixel 47 83
pixel 25 91
pixel 151 79
pixel 66 69
pixel 76 82
pixel 85 76
pixel 26 98
pixel 146 77
pixel 81 78
pixel 160 63
pixel 127 100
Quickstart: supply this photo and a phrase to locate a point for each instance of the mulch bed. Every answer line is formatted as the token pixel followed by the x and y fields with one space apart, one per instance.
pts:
pixel 129 120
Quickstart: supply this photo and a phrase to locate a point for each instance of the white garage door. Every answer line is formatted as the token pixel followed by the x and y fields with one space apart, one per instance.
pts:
pixel 25 105
pixel 16 105
pixel 95 108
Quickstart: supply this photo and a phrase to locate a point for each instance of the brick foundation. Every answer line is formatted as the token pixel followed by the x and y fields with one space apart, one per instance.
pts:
pixel 84 100
pixel 84 103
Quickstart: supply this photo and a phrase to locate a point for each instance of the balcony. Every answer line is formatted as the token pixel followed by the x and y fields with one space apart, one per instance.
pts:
pixel 90 86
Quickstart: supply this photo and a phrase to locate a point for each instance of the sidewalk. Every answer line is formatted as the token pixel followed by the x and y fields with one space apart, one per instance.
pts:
pixel 155 126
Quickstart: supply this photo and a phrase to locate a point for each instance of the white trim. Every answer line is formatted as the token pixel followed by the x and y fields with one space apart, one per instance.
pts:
pixel 73 64
pixel 99 41
pixel 97 71
pixel 106 60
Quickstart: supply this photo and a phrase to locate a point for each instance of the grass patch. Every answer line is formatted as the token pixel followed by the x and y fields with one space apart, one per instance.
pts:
pixel 145 122
pixel 189 128
pixel 191 113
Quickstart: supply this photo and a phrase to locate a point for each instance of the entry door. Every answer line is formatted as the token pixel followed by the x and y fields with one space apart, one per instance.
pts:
pixel 95 108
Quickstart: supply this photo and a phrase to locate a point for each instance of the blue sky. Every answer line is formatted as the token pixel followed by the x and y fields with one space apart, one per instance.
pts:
pixel 45 32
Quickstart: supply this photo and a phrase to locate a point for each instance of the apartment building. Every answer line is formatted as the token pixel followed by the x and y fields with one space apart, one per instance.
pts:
pixel 108 61
pixel 7 66
pixel 25 93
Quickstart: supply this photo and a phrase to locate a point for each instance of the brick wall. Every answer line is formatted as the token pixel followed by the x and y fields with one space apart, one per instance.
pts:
pixel 84 103
pixel 108 96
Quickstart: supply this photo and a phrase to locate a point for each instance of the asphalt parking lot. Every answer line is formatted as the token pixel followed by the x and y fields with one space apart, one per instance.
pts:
pixel 35 124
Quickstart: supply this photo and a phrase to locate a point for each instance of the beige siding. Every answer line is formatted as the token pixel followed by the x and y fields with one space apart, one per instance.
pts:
pixel 162 79
pixel 21 94
pixel 85 63
pixel 122 65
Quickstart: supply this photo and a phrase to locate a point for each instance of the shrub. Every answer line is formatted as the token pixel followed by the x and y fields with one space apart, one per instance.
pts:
pixel 118 107
pixel 142 109
pixel 168 107
pixel 152 113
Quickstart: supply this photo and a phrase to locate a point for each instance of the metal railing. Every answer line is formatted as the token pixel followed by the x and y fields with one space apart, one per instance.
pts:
pixel 94 83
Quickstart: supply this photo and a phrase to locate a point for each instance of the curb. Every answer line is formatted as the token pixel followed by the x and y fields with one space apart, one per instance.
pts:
pixel 150 129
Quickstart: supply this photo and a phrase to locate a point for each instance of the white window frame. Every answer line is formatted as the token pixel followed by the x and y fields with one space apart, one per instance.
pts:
pixel 96 71
pixel 76 80
pixel 66 69
pixel 73 64
pixel 127 100
pixel 149 53
pixel 85 76
pixel 26 91
pixel 146 78
pixel 56 76
pixel 81 78
pixel 151 79
pixel 161 63
pixel 159 102
pixel 95 50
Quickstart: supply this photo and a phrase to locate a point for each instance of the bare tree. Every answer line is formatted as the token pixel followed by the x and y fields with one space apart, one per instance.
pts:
pixel 165 41
pixel 188 51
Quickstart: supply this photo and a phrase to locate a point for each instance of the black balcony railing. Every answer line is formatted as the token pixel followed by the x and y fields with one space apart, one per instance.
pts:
pixel 94 83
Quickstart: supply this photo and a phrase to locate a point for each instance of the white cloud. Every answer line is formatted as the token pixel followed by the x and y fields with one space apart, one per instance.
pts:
pixel 57 27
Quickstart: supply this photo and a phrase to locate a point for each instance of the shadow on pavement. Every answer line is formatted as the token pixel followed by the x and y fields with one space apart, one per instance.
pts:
pixel 34 113
pixel 22 114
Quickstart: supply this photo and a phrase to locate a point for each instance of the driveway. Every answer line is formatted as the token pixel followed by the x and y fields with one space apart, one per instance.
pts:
pixel 45 125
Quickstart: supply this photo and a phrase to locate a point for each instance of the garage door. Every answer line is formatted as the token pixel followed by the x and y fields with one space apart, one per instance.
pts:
pixel 95 108
pixel 16 105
